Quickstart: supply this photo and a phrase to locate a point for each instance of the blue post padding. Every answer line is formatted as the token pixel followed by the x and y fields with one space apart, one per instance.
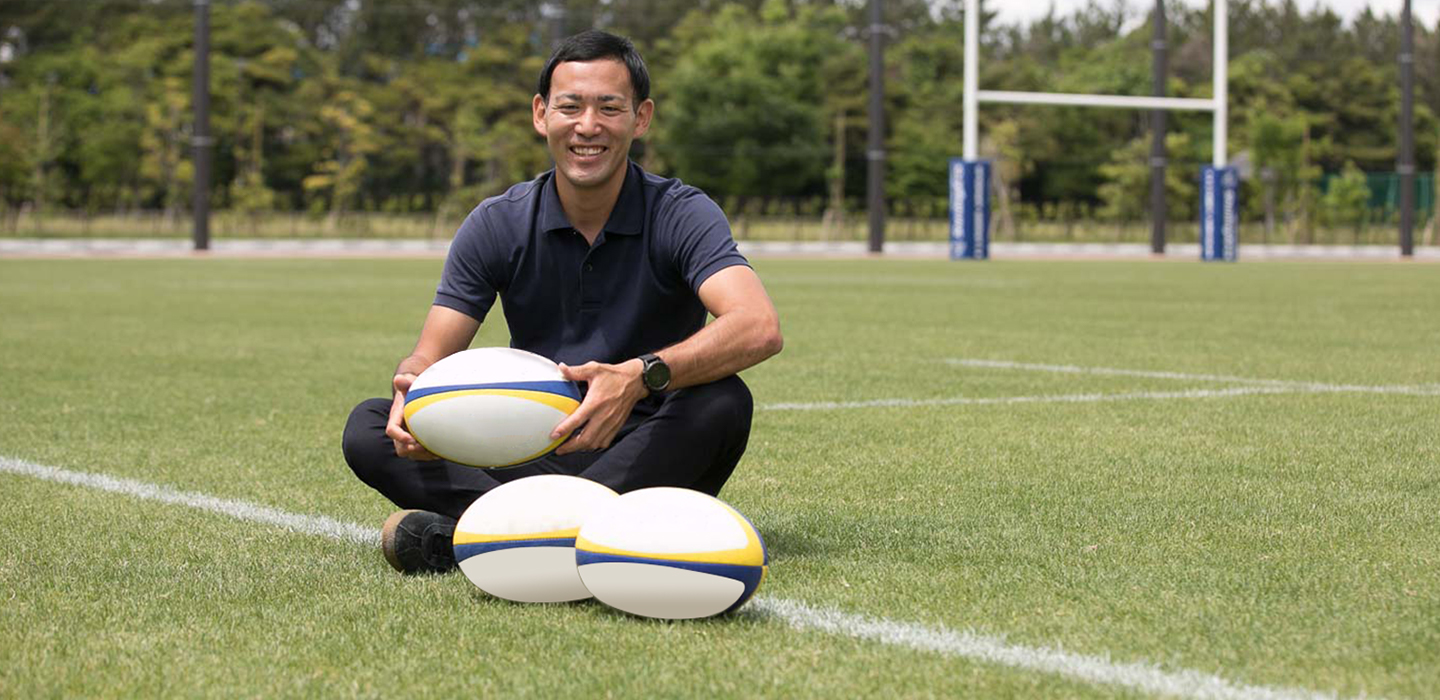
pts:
pixel 1219 213
pixel 969 209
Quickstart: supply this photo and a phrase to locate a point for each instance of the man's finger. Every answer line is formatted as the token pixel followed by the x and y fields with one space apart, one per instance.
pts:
pixel 579 442
pixel 396 431
pixel 597 434
pixel 605 432
pixel 571 422
pixel 582 373
pixel 410 448
pixel 585 438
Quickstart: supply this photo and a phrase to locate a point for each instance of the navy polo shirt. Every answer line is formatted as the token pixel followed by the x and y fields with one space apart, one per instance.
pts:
pixel 634 291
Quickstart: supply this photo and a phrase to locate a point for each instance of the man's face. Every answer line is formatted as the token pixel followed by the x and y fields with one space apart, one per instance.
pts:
pixel 590 120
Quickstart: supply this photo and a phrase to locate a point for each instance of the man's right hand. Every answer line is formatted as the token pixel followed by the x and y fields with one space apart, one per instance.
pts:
pixel 446 332
pixel 405 444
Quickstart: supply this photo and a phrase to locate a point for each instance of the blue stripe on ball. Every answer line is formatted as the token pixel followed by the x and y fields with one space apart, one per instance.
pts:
pixel 465 551
pixel 750 576
pixel 553 387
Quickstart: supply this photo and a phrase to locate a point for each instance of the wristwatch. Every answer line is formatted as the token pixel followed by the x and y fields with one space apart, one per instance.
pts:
pixel 656 374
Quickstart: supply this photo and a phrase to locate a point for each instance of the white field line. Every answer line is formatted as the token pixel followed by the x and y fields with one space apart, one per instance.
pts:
pixel 1415 390
pixel 1250 386
pixel 309 524
pixel 1140 676
pixel 1044 398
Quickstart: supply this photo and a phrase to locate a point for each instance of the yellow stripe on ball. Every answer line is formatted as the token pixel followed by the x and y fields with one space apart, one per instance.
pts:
pixel 564 404
pixel 477 538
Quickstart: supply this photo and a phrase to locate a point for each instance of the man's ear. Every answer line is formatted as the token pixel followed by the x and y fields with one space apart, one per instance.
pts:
pixel 642 117
pixel 537 115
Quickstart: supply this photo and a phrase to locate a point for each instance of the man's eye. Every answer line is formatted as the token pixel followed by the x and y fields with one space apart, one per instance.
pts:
pixel 611 110
pixel 568 109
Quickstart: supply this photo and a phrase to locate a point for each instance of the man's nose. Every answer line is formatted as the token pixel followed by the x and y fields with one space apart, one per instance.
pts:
pixel 589 124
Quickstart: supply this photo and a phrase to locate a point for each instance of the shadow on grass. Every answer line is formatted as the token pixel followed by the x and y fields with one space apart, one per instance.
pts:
pixel 793 542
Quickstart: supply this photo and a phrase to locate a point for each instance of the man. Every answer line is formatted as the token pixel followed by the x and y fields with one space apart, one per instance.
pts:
pixel 609 271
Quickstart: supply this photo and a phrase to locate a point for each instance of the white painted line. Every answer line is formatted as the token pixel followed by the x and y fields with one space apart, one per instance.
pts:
pixel 1414 390
pixel 309 524
pixel 1139 676
pixel 1110 371
pixel 1044 398
pixel 1252 386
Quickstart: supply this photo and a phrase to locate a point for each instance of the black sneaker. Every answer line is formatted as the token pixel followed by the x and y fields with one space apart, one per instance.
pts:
pixel 415 541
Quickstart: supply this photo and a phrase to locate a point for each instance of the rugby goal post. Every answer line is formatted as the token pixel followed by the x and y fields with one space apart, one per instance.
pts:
pixel 970 176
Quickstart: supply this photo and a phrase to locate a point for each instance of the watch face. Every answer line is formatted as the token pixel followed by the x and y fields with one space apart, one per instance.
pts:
pixel 657 375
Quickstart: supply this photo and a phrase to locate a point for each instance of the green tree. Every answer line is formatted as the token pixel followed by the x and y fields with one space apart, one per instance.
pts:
pixel 1276 143
pixel 15 156
pixel 335 182
pixel 924 96
pixel 259 60
pixel 165 164
pixel 1125 192
pixel 1345 201
pixel 494 139
pixel 744 109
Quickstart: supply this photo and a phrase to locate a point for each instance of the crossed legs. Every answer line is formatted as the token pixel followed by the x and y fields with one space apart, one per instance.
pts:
pixel 691 438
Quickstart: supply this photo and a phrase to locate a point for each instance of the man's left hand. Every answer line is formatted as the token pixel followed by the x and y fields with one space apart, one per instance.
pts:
pixel 612 393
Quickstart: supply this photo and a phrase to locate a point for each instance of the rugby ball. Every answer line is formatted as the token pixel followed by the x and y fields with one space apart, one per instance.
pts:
pixel 670 553
pixel 517 541
pixel 490 407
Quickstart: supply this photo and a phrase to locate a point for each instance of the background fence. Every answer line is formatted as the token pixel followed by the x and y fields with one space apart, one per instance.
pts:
pixel 775 219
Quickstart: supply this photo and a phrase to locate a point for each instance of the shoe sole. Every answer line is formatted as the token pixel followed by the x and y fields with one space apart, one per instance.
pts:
pixel 387 538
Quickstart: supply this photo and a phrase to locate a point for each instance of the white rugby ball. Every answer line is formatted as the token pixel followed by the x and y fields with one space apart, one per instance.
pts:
pixel 490 407
pixel 517 541
pixel 670 553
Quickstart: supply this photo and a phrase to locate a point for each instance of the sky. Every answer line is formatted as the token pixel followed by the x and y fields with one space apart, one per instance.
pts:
pixel 1424 11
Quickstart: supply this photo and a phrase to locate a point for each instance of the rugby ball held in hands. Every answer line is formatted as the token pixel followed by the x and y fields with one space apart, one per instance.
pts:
pixel 490 407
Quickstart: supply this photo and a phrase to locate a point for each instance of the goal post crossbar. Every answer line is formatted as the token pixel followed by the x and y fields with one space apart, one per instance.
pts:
pixel 1084 100
pixel 973 95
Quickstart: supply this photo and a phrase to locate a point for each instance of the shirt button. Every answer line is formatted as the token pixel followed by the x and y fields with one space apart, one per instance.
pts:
pixel 589 267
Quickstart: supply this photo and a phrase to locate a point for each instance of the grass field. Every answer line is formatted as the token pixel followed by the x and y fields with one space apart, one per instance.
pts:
pixel 1228 475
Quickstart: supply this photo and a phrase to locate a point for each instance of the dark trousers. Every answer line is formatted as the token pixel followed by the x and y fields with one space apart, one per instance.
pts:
pixel 691 438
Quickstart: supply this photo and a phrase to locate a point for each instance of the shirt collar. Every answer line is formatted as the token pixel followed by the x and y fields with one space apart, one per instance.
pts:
pixel 627 218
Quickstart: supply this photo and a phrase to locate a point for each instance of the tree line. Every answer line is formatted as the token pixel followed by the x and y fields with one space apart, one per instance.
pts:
pixel 336 106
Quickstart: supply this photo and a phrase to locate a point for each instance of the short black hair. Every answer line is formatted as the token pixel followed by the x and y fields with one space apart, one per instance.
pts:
pixel 593 45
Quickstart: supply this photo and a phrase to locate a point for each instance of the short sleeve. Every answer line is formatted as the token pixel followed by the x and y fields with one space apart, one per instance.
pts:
pixel 466 284
pixel 700 235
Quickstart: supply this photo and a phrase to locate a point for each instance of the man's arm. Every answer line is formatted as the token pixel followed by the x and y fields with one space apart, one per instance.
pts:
pixel 745 332
pixel 445 333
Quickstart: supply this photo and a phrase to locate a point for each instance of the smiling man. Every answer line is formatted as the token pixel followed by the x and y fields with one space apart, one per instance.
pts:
pixel 608 270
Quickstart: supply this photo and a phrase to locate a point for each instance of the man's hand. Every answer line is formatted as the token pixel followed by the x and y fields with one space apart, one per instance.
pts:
pixel 405 444
pixel 612 393
pixel 446 332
